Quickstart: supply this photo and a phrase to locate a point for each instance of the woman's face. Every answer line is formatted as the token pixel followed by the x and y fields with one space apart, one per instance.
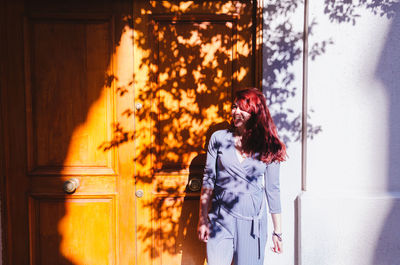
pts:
pixel 239 117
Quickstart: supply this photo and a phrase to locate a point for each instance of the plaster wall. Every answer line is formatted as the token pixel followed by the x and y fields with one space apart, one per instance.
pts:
pixel 350 210
pixel 282 85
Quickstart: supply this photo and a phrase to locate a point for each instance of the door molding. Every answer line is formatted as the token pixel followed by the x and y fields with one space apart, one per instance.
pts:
pixel 258 42
pixel 4 157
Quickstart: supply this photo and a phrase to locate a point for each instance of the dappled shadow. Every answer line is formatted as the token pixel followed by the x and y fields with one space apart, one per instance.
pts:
pixel 343 11
pixel 188 63
pixel 282 49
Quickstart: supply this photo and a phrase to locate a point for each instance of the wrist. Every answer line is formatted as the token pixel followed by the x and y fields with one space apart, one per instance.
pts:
pixel 278 235
pixel 278 231
pixel 203 220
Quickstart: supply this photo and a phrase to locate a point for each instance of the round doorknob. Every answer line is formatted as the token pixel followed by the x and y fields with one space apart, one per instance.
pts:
pixel 194 184
pixel 139 193
pixel 71 185
pixel 139 106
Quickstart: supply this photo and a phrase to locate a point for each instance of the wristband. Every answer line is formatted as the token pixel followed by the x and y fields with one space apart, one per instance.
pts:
pixel 279 236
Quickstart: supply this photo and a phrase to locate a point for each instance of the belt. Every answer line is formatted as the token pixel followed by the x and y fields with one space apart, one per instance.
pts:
pixel 256 220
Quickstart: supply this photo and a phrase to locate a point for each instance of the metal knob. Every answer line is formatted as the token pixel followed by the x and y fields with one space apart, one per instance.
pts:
pixel 139 193
pixel 194 185
pixel 71 185
pixel 139 106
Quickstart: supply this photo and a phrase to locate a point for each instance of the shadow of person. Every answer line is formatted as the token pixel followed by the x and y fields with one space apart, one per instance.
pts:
pixel 194 251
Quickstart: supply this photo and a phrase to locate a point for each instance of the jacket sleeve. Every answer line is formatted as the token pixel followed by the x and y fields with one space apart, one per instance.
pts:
pixel 272 189
pixel 210 170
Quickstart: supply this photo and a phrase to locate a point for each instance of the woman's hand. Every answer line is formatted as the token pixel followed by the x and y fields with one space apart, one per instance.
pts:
pixel 277 234
pixel 277 248
pixel 203 231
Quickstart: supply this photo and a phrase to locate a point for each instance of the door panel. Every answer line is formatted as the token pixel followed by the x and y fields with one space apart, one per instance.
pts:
pixel 189 59
pixel 63 116
pixel 66 62
pixel 91 240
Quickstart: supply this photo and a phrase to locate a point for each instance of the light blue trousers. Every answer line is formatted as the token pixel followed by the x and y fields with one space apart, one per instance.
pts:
pixel 231 238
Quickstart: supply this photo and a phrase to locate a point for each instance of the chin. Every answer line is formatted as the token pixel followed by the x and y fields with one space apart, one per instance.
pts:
pixel 238 124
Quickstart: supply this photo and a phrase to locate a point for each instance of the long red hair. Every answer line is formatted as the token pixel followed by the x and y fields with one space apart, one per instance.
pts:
pixel 260 135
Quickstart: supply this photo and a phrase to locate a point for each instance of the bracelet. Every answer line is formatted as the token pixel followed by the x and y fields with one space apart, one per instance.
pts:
pixel 279 236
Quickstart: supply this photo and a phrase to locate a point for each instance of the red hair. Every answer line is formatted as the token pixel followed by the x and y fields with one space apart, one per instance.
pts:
pixel 260 135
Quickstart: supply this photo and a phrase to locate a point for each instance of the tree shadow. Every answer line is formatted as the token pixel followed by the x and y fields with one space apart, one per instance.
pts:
pixel 202 67
pixel 187 71
pixel 344 11
pixel 282 49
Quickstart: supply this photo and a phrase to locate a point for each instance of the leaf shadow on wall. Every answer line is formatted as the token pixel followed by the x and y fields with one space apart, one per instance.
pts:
pixel 180 68
pixel 282 50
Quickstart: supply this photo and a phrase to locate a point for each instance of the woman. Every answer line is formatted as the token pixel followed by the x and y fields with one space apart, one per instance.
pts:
pixel 241 175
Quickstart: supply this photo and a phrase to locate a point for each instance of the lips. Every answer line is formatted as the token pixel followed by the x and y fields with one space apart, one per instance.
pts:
pixel 238 120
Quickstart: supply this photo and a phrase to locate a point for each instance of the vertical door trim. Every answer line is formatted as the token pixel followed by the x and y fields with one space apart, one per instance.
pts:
pixel 4 133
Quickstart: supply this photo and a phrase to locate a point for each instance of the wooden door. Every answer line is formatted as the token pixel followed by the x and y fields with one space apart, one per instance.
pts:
pixel 189 58
pixel 67 63
pixel 122 97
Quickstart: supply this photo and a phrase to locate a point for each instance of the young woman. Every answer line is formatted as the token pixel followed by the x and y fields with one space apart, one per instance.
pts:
pixel 241 176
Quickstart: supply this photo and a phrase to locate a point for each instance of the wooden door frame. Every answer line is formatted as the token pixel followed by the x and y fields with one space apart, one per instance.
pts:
pixel 257 41
pixel 3 134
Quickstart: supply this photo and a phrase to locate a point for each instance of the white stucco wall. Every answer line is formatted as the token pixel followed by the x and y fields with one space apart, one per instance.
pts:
pixel 282 33
pixel 351 209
